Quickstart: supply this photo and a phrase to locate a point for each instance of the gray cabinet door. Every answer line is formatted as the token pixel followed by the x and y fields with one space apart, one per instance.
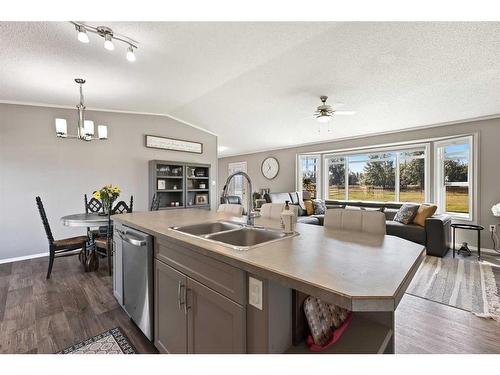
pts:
pixel 215 323
pixel 117 269
pixel 170 315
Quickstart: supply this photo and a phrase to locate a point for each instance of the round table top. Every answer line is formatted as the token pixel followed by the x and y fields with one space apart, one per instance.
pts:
pixel 84 220
pixel 467 226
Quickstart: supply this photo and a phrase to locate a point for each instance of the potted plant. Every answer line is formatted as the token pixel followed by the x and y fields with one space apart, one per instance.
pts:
pixel 107 195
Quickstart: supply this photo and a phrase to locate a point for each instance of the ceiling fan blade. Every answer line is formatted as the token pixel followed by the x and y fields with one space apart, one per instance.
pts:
pixel 345 113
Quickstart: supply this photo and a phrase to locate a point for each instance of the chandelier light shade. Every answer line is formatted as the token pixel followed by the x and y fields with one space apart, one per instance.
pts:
pixel 109 37
pixel 85 128
pixel 102 131
pixel 61 128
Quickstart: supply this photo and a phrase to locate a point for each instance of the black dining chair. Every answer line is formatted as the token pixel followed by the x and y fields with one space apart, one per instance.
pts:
pixel 155 203
pixel 59 248
pixel 93 206
pixel 105 242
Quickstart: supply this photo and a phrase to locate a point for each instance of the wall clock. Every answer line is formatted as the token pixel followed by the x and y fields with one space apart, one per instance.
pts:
pixel 270 168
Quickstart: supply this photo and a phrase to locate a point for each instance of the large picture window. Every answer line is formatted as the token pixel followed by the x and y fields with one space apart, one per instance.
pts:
pixel 384 176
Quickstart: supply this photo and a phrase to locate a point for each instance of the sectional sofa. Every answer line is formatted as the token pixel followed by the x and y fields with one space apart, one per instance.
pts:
pixel 434 235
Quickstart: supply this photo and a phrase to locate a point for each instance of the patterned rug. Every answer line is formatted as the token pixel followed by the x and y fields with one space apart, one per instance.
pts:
pixel 113 341
pixel 462 282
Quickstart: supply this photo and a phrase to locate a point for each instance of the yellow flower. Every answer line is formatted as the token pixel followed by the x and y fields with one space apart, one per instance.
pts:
pixel 97 195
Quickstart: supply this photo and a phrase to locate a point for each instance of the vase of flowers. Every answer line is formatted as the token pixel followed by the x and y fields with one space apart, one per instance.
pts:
pixel 107 195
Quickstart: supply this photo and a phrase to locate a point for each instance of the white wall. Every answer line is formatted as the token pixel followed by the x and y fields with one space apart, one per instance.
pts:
pixel 33 161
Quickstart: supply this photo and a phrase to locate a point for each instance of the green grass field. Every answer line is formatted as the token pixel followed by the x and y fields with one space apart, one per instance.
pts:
pixel 456 200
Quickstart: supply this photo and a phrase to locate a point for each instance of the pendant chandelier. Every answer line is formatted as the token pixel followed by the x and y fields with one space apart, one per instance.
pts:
pixel 84 128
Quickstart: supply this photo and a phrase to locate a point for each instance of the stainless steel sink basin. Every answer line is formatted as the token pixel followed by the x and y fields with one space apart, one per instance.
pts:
pixel 233 235
pixel 207 228
pixel 247 237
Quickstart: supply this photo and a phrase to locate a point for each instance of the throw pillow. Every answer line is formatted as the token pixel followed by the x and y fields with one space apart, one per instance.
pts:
pixel 308 204
pixel 406 213
pixel 423 212
pixel 319 207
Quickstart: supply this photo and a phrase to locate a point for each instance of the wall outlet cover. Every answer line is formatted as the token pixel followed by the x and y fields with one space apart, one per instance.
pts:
pixel 255 292
pixel 493 228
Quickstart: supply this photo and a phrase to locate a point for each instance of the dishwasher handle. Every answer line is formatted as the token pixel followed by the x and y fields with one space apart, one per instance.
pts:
pixel 132 238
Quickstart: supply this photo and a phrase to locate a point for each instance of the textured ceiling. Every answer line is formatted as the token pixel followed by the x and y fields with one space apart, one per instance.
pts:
pixel 255 85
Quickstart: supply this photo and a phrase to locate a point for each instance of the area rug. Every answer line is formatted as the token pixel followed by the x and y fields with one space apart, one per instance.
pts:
pixel 460 282
pixel 113 341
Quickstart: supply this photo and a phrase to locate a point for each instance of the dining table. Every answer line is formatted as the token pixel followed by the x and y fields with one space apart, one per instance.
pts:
pixel 88 256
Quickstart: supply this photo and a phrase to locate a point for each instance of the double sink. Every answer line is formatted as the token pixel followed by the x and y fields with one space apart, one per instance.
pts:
pixel 234 235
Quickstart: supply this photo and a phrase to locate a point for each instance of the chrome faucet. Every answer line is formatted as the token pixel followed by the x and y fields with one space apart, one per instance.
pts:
pixel 250 214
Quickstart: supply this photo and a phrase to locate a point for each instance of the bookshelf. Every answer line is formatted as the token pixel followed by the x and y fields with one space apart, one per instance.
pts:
pixel 179 185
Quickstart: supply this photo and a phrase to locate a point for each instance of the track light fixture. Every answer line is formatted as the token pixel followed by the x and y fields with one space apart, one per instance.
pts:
pixel 108 35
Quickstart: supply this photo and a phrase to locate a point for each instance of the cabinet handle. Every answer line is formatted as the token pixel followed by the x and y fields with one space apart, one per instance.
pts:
pixel 186 307
pixel 179 301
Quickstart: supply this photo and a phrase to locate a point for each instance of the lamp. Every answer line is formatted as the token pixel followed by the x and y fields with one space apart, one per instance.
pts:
pixel 130 54
pixel 102 131
pixel 61 128
pixel 108 43
pixel 85 128
pixel 82 34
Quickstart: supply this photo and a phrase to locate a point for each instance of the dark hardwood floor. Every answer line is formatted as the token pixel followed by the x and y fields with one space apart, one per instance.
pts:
pixel 45 316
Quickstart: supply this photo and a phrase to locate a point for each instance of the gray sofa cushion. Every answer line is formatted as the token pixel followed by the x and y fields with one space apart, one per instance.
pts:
pixel 410 232
pixel 390 213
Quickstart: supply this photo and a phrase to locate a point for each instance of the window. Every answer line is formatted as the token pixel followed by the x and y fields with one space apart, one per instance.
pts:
pixel 384 176
pixel 454 172
pixel 309 174
pixel 238 186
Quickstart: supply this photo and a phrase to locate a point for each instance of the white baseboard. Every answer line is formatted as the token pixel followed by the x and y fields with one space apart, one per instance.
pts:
pixel 17 259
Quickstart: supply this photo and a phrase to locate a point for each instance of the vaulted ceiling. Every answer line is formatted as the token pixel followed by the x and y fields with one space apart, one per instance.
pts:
pixel 256 85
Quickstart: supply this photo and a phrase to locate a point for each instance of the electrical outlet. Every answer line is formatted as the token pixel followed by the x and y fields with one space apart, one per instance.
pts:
pixel 493 228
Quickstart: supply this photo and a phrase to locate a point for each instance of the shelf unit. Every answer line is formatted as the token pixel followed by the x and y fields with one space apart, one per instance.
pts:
pixel 179 184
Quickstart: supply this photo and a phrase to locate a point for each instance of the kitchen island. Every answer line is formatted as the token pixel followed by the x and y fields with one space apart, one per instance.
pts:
pixel 210 298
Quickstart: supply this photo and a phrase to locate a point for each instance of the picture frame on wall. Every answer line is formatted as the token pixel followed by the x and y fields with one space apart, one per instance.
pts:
pixel 201 199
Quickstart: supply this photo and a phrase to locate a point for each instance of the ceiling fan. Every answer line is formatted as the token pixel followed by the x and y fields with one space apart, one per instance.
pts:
pixel 325 112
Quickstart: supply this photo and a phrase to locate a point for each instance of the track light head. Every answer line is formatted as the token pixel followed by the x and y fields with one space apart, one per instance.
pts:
pixel 108 42
pixel 82 34
pixel 130 54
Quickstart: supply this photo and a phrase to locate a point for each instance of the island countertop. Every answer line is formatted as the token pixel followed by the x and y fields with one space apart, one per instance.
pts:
pixel 362 272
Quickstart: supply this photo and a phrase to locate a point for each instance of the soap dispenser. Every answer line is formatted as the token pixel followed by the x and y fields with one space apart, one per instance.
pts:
pixel 287 218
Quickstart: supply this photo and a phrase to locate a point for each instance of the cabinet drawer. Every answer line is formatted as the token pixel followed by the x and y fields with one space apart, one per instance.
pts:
pixel 221 277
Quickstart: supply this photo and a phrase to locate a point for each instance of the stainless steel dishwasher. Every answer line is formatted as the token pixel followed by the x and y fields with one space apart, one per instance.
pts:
pixel 137 268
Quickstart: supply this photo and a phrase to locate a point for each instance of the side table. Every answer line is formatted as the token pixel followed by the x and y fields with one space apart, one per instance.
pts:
pixel 477 228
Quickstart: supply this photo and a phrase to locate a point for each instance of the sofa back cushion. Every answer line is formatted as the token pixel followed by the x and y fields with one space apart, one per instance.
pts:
pixel 273 211
pixel 356 220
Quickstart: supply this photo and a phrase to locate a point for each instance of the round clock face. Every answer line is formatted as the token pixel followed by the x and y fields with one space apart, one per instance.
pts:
pixel 270 168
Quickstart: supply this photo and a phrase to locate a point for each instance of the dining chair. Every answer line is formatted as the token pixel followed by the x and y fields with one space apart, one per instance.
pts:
pixel 105 242
pixel 63 247
pixel 93 206
pixel 155 203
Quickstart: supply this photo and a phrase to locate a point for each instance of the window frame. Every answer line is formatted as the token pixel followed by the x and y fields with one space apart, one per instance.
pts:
pixel 440 187
pixel 396 149
pixel 319 171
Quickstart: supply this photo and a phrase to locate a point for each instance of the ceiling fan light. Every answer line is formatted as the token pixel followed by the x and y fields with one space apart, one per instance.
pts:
pixel 108 42
pixel 82 34
pixel 130 54
pixel 324 118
